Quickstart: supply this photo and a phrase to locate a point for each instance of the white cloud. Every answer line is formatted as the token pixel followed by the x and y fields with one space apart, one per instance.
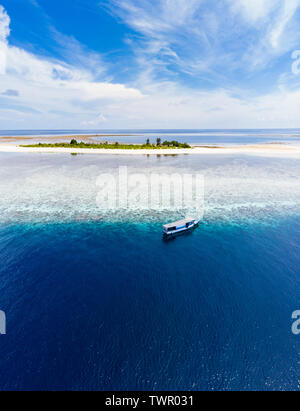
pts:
pixel 98 121
pixel 287 12
pixel 94 91
pixel 4 24
pixel 273 15
pixel 48 86
pixel 172 32
pixel 274 28
pixel 253 11
pixel 4 33
pixel 153 17
pixel 174 107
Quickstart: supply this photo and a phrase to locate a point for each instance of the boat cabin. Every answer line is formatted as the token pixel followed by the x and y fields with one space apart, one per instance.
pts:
pixel 179 226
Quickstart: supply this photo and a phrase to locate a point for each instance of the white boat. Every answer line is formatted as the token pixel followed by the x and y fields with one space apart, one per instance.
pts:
pixel 180 226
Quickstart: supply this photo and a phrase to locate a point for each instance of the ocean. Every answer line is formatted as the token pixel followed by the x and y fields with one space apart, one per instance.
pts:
pixel 97 300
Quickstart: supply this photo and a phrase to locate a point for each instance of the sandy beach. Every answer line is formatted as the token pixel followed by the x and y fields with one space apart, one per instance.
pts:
pixel 268 150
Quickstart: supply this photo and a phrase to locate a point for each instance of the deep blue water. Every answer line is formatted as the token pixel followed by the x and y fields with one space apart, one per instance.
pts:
pixel 112 306
pixel 207 137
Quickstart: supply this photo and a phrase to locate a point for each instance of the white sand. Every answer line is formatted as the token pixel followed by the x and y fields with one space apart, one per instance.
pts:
pixel 268 150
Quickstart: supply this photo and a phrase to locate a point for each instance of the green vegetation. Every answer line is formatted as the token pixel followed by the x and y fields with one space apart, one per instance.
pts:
pixel 74 144
pixel 176 144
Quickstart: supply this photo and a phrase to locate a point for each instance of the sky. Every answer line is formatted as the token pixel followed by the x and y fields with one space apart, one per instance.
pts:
pixel 149 64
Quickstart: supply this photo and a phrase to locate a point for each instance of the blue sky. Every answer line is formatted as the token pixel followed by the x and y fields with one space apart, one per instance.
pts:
pixel 149 64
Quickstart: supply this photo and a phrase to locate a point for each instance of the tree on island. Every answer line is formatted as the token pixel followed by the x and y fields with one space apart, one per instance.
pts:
pixel 148 142
pixel 158 141
pixel 73 142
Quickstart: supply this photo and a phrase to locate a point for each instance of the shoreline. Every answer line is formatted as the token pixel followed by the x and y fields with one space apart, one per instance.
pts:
pixel 269 150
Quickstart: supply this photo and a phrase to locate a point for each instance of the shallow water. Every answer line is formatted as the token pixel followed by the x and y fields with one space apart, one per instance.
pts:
pixel 96 300
pixel 63 188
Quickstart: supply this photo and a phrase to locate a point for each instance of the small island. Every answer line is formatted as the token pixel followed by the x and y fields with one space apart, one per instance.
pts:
pixel 117 146
pixel 84 144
